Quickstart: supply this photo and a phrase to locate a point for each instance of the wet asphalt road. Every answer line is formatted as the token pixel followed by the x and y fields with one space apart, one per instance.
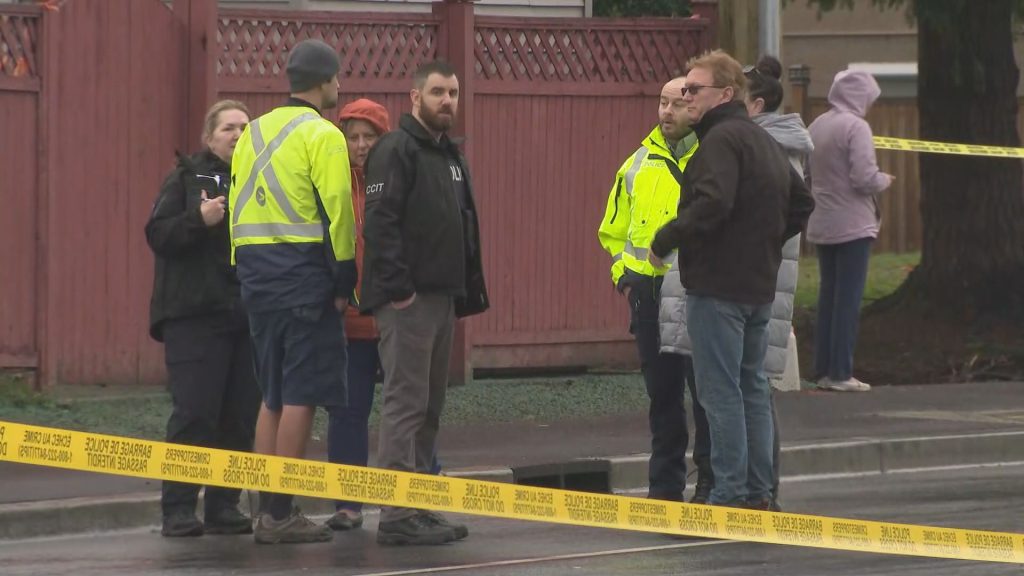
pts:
pixel 982 498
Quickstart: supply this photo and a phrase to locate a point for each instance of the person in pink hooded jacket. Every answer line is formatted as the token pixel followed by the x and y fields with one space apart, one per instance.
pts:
pixel 845 182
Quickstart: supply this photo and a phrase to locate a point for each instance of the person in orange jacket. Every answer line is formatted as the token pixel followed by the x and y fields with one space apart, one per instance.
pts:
pixel 363 122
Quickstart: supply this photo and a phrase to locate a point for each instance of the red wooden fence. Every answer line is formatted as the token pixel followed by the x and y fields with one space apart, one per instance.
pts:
pixel 96 96
pixel 20 30
pixel 559 105
pixel 550 108
pixel 91 116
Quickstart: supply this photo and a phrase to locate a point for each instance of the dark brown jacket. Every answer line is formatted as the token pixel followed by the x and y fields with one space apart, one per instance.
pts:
pixel 740 201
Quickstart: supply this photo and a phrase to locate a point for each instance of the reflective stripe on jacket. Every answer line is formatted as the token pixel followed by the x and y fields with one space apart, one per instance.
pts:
pixel 644 197
pixel 291 209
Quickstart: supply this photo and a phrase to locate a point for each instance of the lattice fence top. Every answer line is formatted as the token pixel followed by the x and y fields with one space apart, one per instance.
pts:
pixel 19 38
pixel 258 48
pixel 581 52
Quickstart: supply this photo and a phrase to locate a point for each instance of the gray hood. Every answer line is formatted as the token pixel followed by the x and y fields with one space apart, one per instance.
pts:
pixel 854 91
pixel 788 130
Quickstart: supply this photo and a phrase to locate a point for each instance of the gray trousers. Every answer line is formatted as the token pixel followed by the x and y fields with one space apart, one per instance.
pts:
pixel 415 347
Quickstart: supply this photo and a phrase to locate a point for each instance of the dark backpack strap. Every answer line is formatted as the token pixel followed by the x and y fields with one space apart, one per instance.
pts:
pixel 672 167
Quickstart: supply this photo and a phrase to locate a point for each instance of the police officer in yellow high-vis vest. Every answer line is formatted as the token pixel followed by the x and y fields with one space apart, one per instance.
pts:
pixel 293 240
pixel 644 197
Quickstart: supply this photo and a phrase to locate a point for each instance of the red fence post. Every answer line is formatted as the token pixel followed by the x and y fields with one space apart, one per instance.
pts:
pixel 199 19
pixel 48 133
pixel 707 9
pixel 458 39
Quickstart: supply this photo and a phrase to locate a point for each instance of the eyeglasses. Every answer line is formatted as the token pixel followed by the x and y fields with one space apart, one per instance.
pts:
pixel 693 89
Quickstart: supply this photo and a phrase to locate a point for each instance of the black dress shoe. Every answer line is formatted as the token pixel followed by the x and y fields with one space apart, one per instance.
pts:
pixel 227 521
pixel 181 524
pixel 460 530
pixel 416 530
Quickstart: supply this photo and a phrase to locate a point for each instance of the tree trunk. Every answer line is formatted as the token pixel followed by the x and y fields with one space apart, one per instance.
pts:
pixel 972 259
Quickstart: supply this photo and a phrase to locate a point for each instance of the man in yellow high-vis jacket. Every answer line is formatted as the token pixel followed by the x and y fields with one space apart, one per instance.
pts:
pixel 293 240
pixel 644 197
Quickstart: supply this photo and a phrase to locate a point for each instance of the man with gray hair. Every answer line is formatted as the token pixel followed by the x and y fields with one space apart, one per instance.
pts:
pixel 293 239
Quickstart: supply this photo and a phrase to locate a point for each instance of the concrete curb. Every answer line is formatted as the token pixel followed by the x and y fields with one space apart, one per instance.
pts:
pixel 616 474
pixel 74 515
pixel 95 514
pixel 862 456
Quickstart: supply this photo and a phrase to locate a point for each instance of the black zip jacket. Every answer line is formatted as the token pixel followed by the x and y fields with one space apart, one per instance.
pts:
pixel 193 262
pixel 741 200
pixel 419 235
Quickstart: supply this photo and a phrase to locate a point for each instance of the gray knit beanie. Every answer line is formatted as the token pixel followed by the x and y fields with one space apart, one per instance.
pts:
pixel 310 64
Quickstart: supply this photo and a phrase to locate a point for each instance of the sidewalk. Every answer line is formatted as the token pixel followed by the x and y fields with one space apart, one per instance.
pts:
pixel 822 432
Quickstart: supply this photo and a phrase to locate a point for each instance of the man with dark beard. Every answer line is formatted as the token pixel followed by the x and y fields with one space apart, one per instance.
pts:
pixel 421 270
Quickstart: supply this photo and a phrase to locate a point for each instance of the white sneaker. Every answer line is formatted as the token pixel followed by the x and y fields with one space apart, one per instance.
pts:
pixel 850 385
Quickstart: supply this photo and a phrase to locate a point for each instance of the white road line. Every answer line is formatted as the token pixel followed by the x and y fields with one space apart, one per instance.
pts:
pixel 957 467
pixel 581 555
pixel 917 470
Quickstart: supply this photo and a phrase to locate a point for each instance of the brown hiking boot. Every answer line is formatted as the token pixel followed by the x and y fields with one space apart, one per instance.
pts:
pixel 295 529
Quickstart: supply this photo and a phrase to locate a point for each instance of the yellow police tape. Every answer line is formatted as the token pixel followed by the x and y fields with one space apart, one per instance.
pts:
pixel 885 143
pixel 163 461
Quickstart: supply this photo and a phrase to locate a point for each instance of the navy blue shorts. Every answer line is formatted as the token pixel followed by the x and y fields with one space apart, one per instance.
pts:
pixel 300 356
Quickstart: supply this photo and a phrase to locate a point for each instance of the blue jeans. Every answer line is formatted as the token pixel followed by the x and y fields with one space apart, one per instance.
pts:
pixel 347 428
pixel 729 344
pixel 844 270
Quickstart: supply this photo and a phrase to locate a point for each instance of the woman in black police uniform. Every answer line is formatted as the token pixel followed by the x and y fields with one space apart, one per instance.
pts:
pixel 197 314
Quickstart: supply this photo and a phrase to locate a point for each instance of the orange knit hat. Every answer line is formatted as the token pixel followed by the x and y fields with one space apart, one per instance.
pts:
pixel 369 111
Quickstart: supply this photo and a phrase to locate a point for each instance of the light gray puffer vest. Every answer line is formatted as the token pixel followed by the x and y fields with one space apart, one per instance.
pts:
pixel 672 314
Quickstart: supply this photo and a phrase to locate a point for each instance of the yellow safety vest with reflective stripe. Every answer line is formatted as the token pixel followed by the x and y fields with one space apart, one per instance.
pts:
pixel 644 198
pixel 284 163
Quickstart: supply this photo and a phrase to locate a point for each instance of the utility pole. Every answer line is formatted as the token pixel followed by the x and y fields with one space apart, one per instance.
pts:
pixel 738 31
pixel 769 41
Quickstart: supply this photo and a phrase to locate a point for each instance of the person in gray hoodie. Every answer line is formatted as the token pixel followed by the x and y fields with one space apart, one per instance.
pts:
pixel 763 100
pixel 845 183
